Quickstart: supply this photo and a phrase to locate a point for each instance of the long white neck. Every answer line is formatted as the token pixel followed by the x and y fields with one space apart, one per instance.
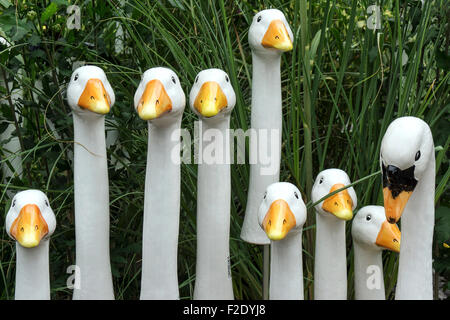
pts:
pixel 286 268
pixel 161 213
pixel 266 114
pixel 330 264
pixel 91 209
pixel 32 272
pixel 369 281
pixel 213 272
pixel 415 274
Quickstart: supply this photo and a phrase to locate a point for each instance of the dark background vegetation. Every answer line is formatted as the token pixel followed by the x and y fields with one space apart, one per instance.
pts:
pixel 342 85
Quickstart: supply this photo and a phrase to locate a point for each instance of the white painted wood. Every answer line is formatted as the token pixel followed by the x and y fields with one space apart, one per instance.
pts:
pixel 403 139
pixel 266 113
pixel 286 264
pixel 91 191
pixel 213 269
pixel 162 192
pixel 32 264
pixel 330 261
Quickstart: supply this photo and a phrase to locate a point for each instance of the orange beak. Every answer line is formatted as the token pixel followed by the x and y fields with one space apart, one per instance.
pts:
pixel 389 237
pixel 210 99
pixel 277 37
pixel 94 97
pixel 398 185
pixel 339 204
pixel 29 227
pixel 279 220
pixel 394 206
pixel 154 101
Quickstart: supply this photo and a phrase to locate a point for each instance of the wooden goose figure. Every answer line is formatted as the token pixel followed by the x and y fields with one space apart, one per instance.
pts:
pixel 30 221
pixel 212 98
pixel 90 97
pixel 269 36
pixel 281 215
pixel 408 167
pixel 371 235
pixel 160 100
pixel 330 264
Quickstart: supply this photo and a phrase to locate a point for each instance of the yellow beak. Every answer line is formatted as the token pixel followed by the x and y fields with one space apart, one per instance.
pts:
pixel 29 227
pixel 389 237
pixel 154 101
pixel 210 100
pixel 277 37
pixel 394 206
pixel 94 97
pixel 279 220
pixel 339 204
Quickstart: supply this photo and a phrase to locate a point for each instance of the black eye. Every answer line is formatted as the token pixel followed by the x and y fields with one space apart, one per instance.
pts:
pixel 259 19
pixel 46 203
pixel 368 217
pixel 296 195
pixel 196 79
pixel 226 78
pixel 14 203
pixel 418 155
pixel 265 195
pixel 321 180
pixel 76 77
pixel 173 80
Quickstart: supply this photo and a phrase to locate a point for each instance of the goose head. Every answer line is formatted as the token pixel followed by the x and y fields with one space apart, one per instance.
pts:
pixel 212 95
pixel 89 91
pixel 30 218
pixel 270 33
pixel 371 230
pixel 406 150
pixel 341 204
pixel 282 210
pixel 159 96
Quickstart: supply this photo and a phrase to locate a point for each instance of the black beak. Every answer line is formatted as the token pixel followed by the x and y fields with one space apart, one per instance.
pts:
pixel 397 180
pixel 398 186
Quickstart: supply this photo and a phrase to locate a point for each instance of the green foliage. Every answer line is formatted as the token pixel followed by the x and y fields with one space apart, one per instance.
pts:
pixel 49 12
pixel 342 85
